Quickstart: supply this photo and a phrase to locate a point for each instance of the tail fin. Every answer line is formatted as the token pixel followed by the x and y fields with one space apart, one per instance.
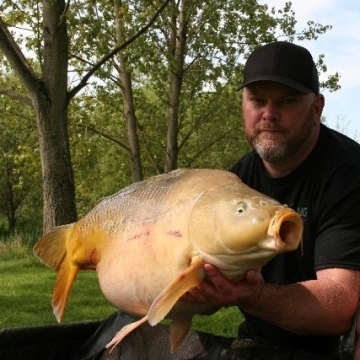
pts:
pixel 51 250
pixel 64 281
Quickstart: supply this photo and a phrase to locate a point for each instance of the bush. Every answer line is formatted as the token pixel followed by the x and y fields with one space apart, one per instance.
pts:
pixel 17 245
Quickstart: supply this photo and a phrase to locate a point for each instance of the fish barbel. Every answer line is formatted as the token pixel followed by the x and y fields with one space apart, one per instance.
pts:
pixel 149 242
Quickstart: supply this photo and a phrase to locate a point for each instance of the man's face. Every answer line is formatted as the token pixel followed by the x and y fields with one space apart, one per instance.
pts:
pixel 278 120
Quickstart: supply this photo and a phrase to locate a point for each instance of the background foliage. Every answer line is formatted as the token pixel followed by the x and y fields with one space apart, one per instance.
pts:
pixel 188 88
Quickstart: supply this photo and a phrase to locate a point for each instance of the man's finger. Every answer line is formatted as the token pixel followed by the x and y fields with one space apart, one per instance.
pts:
pixel 254 277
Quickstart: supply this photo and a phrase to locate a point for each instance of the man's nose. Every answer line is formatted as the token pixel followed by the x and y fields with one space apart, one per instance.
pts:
pixel 271 111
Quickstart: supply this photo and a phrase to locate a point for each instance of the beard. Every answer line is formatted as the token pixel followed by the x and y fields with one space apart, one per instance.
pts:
pixel 277 147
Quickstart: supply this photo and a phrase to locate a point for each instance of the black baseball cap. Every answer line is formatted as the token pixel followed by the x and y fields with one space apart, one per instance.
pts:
pixel 285 63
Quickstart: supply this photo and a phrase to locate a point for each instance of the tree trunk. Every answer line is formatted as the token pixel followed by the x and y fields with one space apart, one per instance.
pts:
pixel 129 107
pixel 51 109
pixel 177 54
pixel 58 183
pixel 49 98
pixel 8 199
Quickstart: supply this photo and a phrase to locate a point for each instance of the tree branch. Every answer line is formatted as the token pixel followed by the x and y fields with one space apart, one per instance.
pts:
pixel 17 59
pixel 84 80
pixel 106 136
pixel 207 146
pixel 16 96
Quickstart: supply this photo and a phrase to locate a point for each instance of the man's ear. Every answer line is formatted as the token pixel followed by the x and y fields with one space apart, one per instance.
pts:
pixel 319 104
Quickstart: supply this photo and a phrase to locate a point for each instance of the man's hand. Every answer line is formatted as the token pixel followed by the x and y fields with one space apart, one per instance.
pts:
pixel 324 306
pixel 220 292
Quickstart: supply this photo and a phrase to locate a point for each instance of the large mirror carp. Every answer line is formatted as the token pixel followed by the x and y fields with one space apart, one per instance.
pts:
pixel 149 242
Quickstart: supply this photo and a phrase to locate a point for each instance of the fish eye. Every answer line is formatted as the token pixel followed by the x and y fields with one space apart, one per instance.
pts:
pixel 241 207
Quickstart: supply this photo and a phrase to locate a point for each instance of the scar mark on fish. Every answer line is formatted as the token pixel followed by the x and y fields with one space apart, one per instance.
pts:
pixel 93 260
pixel 139 235
pixel 175 233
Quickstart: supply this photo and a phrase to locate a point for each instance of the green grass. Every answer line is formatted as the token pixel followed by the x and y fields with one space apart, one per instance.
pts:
pixel 27 285
pixel 26 291
pixel 225 322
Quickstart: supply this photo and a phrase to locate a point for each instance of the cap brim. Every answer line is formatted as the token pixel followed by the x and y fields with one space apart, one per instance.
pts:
pixel 278 79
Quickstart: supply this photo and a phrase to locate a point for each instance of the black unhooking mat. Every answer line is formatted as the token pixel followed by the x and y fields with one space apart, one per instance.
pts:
pixel 86 341
pixel 53 342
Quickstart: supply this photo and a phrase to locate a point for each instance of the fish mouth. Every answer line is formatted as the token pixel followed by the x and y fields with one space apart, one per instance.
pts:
pixel 285 230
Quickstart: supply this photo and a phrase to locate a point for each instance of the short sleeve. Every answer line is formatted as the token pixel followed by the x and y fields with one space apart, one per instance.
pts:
pixel 337 240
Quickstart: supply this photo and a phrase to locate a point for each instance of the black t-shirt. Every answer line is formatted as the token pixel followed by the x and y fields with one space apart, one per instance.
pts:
pixel 325 191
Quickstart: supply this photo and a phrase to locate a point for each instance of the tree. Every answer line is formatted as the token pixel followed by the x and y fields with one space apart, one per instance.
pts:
pixel 19 162
pixel 188 62
pixel 178 84
pixel 50 97
pixel 128 99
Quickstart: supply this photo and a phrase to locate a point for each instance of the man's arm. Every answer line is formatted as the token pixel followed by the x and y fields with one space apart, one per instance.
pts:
pixel 323 306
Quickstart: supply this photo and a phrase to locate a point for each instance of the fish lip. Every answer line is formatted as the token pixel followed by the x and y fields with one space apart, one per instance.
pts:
pixel 285 228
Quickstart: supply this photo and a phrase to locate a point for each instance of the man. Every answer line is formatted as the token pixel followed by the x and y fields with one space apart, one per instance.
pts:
pixel 301 300
pixel 307 298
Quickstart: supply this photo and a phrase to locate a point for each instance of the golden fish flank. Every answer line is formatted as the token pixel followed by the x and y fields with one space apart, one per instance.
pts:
pixel 149 243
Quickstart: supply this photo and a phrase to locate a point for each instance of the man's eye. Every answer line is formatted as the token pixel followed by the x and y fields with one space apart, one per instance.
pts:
pixel 257 101
pixel 289 101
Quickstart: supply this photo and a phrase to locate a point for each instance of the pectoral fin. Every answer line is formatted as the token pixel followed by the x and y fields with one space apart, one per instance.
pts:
pixel 187 280
pixel 124 332
pixel 179 328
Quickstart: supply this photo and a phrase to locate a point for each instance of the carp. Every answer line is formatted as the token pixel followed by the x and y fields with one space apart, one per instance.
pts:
pixel 149 242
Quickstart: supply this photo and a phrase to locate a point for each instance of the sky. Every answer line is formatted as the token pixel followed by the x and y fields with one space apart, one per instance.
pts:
pixel 341 47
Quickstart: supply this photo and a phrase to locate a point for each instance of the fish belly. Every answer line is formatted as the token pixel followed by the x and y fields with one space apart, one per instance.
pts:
pixel 140 263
